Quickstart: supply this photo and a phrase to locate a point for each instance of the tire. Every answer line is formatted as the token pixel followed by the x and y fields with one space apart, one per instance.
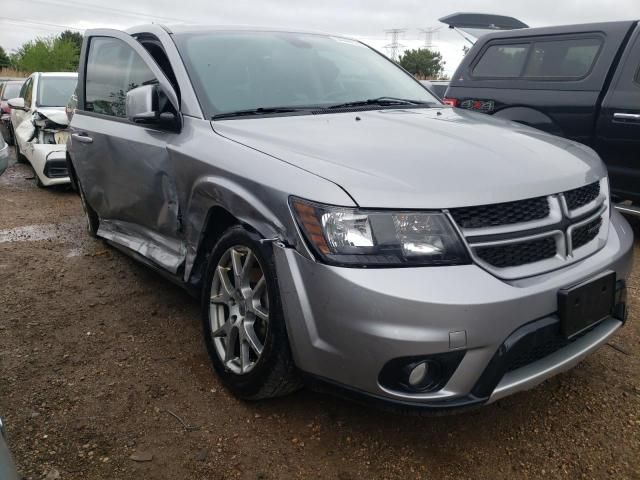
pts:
pixel 39 183
pixel 93 220
pixel 9 138
pixel 272 373
pixel 20 158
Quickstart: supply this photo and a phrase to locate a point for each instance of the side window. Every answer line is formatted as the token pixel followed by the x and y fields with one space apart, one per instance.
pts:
pixel 563 58
pixel 502 61
pixel 567 59
pixel 113 68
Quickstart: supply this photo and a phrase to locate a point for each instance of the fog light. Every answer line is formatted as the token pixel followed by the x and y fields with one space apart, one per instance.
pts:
pixel 421 376
pixel 418 374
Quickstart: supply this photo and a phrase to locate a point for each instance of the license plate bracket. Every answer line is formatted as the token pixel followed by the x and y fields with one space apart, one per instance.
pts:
pixel 586 303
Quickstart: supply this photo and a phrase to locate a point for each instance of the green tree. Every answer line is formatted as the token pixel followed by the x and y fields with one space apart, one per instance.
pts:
pixel 50 54
pixel 75 37
pixel 423 63
pixel 4 58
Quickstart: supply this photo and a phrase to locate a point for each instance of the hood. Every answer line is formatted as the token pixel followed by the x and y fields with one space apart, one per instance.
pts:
pixel 422 158
pixel 55 114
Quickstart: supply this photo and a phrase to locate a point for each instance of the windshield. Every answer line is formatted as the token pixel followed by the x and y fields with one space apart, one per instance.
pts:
pixel 55 91
pixel 11 90
pixel 234 71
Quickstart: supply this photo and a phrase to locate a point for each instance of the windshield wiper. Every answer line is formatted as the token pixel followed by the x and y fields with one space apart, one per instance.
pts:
pixel 258 111
pixel 381 101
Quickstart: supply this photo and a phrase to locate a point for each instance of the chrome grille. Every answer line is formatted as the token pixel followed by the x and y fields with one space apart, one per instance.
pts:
pixel 516 254
pixel 501 213
pixel 579 197
pixel 584 234
pixel 528 237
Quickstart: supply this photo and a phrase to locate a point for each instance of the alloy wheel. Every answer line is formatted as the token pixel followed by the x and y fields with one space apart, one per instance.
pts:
pixel 239 309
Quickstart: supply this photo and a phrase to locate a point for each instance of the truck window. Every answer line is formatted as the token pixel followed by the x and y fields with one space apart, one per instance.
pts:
pixel 502 61
pixel 113 68
pixel 571 58
pixel 566 59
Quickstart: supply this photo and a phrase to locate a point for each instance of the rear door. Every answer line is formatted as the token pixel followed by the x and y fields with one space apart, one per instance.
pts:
pixel 618 131
pixel 124 169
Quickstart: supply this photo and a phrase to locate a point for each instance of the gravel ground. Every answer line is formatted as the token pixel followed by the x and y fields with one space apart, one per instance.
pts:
pixel 103 375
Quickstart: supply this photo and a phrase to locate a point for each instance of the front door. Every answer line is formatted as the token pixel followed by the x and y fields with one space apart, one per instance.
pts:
pixel 618 132
pixel 125 169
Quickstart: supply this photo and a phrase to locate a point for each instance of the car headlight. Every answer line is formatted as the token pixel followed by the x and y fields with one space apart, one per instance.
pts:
pixel 354 237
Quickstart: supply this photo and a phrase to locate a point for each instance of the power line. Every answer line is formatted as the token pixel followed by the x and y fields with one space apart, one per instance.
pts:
pixel 119 11
pixel 394 46
pixel 17 21
pixel 428 35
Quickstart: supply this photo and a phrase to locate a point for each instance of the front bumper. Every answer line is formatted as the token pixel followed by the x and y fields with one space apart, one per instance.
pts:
pixel 345 324
pixel 49 162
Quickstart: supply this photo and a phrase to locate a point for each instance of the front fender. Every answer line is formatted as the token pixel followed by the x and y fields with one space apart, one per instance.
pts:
pixel 262 209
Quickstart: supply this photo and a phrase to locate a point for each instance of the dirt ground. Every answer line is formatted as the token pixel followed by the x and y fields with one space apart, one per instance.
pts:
pixel 104 375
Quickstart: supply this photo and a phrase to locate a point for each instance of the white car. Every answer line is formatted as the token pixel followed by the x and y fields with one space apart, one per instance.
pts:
pixel 40 125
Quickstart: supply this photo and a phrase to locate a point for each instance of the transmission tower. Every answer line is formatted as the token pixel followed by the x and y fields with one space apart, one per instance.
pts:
pixel 394 46
pixel 429 33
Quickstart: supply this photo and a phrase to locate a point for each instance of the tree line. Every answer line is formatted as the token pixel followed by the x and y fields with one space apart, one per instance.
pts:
pixel 59 53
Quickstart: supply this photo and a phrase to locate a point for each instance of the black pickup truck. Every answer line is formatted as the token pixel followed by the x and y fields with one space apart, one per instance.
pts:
pixel 580 81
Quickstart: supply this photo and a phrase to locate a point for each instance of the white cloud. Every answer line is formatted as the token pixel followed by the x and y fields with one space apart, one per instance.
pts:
pixel 363 19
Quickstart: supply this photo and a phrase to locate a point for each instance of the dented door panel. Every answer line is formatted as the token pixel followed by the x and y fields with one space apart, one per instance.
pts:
pixel 129 180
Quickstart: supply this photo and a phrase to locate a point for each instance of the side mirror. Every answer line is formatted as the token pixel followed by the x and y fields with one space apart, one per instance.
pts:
pixel 17 103
pixel 147 105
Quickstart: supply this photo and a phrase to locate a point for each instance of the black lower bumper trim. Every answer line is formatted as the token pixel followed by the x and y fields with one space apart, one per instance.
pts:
pixel 535 341
pixel 56 168
pixel 430 407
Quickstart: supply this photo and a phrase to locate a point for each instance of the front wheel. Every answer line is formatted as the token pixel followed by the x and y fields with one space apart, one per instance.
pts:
pixel 242 319
pixel 20 158
pixel 39 183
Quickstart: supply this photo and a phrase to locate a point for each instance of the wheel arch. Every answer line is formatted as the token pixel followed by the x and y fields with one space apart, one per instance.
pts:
pixel 530 117
pixel 215 205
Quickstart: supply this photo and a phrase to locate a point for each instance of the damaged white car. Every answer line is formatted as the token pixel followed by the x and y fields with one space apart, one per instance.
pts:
pixel 40 125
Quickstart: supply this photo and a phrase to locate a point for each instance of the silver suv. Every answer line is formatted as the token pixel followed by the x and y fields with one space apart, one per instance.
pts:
pixel 341 225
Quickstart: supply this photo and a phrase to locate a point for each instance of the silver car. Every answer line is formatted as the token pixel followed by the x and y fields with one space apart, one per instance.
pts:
pixel 342 226
pixel 4 155
pixel 7 467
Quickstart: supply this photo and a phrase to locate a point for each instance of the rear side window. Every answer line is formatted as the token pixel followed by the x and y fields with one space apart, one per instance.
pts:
pixel 113 68
pixel 562 59
pixel 565 59
pixel 11 90
pixel 502 61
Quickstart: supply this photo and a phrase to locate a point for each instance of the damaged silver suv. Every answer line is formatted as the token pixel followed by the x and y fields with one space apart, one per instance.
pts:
pixel 341 225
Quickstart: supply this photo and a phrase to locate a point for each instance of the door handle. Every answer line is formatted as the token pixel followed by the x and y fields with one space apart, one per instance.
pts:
pixel 82 137
pixel 626 117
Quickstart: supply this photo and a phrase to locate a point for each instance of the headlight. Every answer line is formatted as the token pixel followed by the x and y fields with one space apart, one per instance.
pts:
pixel 352 237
